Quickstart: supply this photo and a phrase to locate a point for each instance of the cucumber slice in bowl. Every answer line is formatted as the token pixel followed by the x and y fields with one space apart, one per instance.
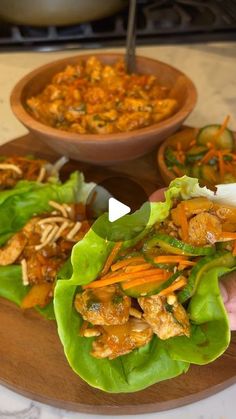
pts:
pixel 208 134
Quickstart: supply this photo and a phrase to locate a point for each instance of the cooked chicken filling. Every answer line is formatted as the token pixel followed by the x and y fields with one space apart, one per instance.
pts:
pixel 167 319
pixel 204 228
pixel 13 169
pixel 45 243
pixel 121 339
pixel 103 306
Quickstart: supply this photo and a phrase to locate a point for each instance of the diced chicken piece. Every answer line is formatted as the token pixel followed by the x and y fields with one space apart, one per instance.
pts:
pixel 136 105
pixel 68 75
pixel 78 128
pixel 165 315
pixel 93 68
pixel 94 95
pixel 12 250
pixel 97 125
pixel 204 228
pixel 108 72
pixel 122 339
pixel 158 92
pixel 135 120
pixel 162 109
pixel 103 306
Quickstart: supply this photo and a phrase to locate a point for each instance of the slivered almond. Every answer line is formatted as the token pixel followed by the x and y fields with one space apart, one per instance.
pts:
pixel 25 278
pixel 74 230
pixel 48 239
pixel 46 232
pixel 91 332
pixel 61 229
pixel 59 207
pixel 49 220
pixel 41 175
pixel 8 166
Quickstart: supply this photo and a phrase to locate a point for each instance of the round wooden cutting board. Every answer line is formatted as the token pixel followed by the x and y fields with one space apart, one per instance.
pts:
pixel 32 359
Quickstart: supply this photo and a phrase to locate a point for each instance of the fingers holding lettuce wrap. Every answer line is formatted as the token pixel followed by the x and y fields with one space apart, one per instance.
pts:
pixel 140 310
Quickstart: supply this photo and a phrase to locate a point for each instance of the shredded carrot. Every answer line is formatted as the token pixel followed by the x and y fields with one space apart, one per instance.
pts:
pixel 138 268
pixel 228 167
pixel 177 171
pixel 147 280
pixel 221 164
pixel 122 277
pixel 125 262
pixel 187 263
pixel 223 127
pixel 192 143
pixel 183 221
pixel 228 235
pixel 173 287
pixel 234 249
pixel 178 146
pixel 169 259
pixel 211 153
pixel 111 257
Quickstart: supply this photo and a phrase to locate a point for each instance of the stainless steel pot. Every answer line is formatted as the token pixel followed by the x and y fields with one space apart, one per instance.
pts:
pixel 57 12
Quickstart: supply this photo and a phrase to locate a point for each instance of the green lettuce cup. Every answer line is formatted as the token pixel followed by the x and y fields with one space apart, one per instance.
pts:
pixel 159 359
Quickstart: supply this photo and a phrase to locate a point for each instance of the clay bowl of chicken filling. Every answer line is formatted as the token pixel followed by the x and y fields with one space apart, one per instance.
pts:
pixel 90 109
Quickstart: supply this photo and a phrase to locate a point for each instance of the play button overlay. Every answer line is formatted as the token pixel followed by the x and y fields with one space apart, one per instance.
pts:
pixel 117 210
pixel 126 207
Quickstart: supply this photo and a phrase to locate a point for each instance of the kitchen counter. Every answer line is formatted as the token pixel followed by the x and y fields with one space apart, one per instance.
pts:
pixel 212 68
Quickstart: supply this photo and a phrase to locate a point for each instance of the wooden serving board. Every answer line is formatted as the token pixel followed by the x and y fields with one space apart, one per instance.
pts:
pixel 32 361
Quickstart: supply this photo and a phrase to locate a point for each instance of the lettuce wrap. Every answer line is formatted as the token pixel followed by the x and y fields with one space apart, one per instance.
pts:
pixel 28 199
pixel 159 359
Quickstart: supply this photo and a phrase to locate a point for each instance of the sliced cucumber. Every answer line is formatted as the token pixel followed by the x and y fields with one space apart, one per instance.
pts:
pixel 208 134
pixel 209 174
pixel 171 160
pixel 196 153
pixel 196 171
pixel 174 246
pixel 221 259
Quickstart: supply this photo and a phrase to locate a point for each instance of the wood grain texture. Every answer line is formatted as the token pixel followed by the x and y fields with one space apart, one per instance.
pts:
pixel 32 359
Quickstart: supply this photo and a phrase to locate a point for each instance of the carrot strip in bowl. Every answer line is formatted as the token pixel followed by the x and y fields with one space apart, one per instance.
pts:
pixel 222 127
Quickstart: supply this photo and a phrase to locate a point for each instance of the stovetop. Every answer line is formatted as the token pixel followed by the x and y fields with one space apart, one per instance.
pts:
pixel 158 22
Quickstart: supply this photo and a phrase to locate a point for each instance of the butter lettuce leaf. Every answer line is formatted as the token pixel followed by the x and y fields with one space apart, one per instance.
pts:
pixel 12 288
pixel 144 366
pixel 18 208
pixel 159 360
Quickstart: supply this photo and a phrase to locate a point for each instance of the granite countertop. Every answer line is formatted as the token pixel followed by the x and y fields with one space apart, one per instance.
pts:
pixel 212 68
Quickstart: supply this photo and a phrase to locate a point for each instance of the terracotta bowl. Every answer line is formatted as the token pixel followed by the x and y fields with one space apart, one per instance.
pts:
pixel 189 134
pixel 166 174
pixel 106 148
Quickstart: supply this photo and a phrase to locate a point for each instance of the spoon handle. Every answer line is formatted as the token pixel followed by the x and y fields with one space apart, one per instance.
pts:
pixel 131 38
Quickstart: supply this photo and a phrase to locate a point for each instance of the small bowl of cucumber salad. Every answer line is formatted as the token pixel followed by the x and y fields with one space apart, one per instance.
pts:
pixel 208 153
